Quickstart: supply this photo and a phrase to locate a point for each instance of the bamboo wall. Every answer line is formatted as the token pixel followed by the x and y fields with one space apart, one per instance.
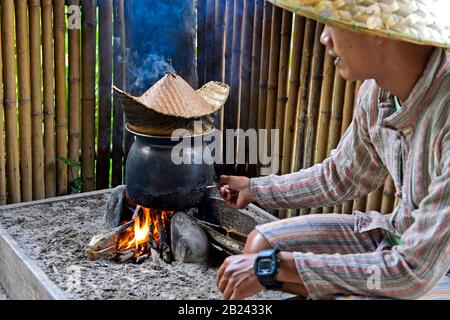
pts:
pixel 51 144
pixel 280 78
pixel 59 138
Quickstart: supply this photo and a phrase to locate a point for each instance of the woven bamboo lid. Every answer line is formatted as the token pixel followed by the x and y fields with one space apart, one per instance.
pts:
pixel 174 97
pixel 419 21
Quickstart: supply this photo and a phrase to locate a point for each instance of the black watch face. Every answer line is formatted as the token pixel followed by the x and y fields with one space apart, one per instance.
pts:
pixel 265 266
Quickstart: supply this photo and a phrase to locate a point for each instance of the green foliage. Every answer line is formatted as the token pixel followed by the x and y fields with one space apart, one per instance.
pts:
pixel 76 183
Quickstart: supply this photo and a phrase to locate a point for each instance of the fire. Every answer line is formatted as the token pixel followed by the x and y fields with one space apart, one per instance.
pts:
pixel 146 228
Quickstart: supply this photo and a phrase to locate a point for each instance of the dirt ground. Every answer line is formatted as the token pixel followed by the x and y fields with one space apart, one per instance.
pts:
pixel 55 235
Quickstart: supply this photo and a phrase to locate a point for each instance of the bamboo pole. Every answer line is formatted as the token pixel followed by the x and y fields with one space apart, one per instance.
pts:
pixel 60 95
pixel 245 81
pixel 294 86
pixel 119 82
pixel 49 105
pixel 256 73
pixel 104 93
pixel 325 110
pixel 210 63
pixel 337 106
pixel 36 101
pixel 283 74
pixel 74 99
pixel 374 199
pixel 274 63
pixel 302 101
pixel 24 90
pixel 313 102
pixel 314 97
pixel 231 116
pixel 89 23
pixel 324 116
pixel 358 204
pixel 3 189
pixel 246 63
pixel 10 102
pixel 201 42
pixel 264 71
pixel 387 203
pixel 265 61
pixel 219 48
pixel 347 116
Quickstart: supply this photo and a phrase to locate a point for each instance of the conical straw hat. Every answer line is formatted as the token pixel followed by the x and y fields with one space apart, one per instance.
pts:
pixel 174 97
pixel 419 21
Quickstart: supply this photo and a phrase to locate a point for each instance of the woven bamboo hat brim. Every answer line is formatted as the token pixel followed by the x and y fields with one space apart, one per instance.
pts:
pixel 172 96
pixel 423 22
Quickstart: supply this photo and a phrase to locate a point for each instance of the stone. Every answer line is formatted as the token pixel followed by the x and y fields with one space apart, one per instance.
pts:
pixel 188 240
pixel 113 212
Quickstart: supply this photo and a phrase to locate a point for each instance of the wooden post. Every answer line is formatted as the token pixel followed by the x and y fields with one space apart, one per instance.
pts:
pixel 59 17
pixel 3 190
pixel 49 103
pixel 119 82
pixel 74 98
pixel 104 93
pixel 24 90
pixel 10 102
pixel 89 23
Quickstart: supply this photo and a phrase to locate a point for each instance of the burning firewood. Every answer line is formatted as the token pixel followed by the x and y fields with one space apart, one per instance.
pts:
pixel 103 246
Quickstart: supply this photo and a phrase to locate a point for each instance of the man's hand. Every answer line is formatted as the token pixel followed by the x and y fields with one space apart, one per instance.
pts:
pixel 236 191
pixel 236 277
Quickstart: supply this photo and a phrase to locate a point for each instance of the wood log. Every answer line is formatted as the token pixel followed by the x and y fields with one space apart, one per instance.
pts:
pixel 105 240
pixel 230 245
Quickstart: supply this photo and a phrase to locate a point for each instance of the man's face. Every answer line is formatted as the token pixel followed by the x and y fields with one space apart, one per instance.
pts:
pixel 356 54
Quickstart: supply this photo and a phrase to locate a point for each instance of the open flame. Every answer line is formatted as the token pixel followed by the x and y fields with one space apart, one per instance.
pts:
pixel 147 230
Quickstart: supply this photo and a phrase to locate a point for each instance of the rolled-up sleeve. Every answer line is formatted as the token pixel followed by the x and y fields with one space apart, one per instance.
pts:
pixel 408 270
pixel 353 170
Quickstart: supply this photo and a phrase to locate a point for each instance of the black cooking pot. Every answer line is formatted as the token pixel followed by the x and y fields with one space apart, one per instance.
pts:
pixel 154 181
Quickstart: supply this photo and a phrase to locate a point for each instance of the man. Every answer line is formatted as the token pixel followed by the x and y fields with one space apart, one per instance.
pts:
pixel 402 128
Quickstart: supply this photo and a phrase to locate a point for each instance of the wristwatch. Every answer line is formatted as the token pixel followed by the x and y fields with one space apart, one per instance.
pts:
pixel 266 268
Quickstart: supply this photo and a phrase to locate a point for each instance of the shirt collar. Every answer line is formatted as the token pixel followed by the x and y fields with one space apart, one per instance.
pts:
pixel 417 100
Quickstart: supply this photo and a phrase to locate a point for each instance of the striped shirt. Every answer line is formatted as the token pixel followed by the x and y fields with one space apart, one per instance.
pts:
pixel 413 146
